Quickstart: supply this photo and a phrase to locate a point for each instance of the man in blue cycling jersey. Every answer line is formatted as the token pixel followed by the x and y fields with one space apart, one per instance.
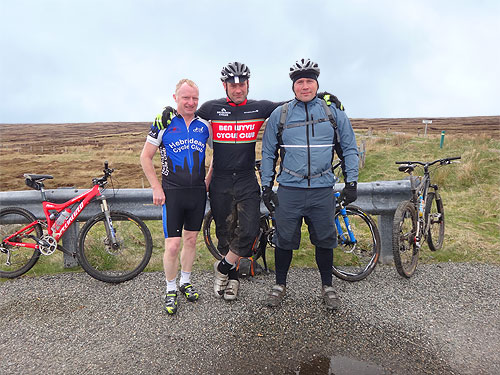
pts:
pixel 182 191
pixel 305 137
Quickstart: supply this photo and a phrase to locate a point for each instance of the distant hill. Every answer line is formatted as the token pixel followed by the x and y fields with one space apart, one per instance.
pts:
pixel 74 134
pixel 451 125
pixel 74 152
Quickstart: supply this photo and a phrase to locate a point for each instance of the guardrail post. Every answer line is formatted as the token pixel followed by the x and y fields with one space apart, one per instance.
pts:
pixel 384 224
pixel 70 242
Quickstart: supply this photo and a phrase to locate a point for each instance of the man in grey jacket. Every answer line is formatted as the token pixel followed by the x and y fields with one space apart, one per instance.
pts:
pixel 304 136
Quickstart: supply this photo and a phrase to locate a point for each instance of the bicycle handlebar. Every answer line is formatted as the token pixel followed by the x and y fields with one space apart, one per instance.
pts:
pixel 428 164
pixel 107 173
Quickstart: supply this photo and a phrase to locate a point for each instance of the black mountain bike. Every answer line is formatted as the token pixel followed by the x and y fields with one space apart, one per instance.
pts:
pixel 354 258
pixel 419 219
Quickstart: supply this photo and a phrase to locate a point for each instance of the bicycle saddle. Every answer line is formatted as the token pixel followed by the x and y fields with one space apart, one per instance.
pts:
pixel 406 168
pixel 38 177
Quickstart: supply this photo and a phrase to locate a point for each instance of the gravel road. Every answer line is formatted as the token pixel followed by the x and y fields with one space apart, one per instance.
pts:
pixel 444 320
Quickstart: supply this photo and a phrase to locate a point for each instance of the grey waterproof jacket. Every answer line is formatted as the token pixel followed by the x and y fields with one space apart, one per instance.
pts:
pixel 306 144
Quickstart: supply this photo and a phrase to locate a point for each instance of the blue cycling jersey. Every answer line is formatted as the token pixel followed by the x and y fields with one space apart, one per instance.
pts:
pixel 182 151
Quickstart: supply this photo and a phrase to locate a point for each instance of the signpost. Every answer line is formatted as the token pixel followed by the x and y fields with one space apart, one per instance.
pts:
pixel 426 122
pixel 442 139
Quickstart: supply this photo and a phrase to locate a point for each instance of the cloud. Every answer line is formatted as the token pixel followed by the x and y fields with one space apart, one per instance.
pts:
pixel 120 60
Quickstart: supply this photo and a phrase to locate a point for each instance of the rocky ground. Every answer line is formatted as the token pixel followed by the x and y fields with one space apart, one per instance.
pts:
pixel 444 320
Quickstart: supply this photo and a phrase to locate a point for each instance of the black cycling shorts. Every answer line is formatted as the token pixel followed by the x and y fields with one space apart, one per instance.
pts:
pixel 183 209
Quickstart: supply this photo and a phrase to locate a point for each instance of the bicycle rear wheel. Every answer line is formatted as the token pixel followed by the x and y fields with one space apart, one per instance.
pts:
pixel 404 247
pixel 353 261
pixel 17 260
pixel 212 243
pixel 434 211
pixel 210 237
pixel 114 264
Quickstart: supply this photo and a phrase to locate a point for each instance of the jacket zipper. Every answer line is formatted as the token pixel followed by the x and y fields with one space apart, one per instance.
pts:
pixel 312 125
pixel 308 148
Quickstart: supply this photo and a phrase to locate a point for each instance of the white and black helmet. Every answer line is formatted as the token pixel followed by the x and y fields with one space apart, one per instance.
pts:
pixel 235 72
pixel 304 68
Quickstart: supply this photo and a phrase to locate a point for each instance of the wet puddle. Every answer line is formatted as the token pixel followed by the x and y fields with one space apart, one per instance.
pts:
pixel 340 365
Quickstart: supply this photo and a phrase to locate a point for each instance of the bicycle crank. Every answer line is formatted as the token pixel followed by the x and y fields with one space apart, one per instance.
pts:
pixel 47 245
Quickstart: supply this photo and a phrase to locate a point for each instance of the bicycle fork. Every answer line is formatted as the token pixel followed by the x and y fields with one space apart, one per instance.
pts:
pixel 348 237
pixel 345 238
pixel 108 224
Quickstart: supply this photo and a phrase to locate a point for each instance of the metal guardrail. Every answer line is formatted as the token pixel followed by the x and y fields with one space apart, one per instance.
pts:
pixel 381 198
pixel 378 198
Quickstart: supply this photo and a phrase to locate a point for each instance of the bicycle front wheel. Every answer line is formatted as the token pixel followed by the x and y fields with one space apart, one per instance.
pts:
pixel 404 232
pixel 17 260
pixel 434 211
pixel 353 260
pixel 114 263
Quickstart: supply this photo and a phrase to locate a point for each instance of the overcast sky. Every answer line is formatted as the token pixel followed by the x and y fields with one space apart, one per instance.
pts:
pixel 119 60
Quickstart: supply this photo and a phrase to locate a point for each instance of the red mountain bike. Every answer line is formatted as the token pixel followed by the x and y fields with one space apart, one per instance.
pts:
pixel 113 246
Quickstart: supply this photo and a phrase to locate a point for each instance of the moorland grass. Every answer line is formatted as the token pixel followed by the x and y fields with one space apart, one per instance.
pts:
pixel 470 191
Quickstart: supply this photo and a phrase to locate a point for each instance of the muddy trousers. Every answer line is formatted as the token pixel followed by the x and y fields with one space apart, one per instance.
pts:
pixel 235 204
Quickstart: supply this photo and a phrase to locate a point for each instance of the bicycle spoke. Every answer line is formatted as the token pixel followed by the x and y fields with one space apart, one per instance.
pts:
pixel 354 260
pixel 115 262
pixel 405 249
pixel 17 260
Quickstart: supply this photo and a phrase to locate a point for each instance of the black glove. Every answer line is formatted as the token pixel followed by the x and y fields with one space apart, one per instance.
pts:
pixel 349 193
pixel 269 198
pixel 165 118
pixel 330 98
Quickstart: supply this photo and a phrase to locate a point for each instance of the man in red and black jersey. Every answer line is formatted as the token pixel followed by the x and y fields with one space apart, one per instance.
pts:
pixel 234 191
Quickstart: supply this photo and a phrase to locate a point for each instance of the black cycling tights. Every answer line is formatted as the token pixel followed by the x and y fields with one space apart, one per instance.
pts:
pixel 324 260
pixel 282 260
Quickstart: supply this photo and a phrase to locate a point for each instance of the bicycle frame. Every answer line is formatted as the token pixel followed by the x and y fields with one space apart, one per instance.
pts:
pixel 340 232
pixel 419 197
pixel 420 193
pixel 84 198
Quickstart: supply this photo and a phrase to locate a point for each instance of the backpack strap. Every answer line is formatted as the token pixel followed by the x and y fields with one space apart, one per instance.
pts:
pixel 280 150
pixel 281 124
pixel 329 113
pixel 336 144
pixel 336 138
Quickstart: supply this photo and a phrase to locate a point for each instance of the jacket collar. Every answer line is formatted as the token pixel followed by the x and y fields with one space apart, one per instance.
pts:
pixel 296 102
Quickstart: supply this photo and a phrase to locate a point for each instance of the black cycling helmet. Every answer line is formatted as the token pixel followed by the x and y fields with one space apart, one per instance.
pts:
pixel 235 72
pixel 304 68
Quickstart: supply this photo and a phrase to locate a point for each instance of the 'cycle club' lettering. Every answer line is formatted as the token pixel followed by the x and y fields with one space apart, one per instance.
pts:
pixel 244 131
pixel 185 144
